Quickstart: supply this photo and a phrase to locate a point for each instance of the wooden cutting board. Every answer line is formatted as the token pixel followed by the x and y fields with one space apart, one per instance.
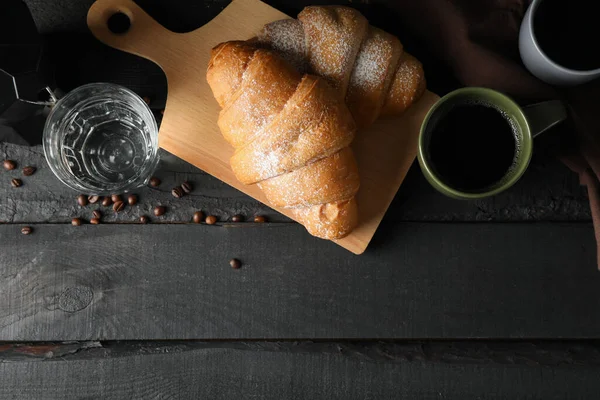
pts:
pixel 189 126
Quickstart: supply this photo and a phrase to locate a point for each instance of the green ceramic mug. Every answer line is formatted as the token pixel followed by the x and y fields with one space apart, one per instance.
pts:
pixel 527 122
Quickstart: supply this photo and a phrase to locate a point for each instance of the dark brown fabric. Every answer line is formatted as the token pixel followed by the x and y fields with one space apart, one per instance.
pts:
pixel 478 40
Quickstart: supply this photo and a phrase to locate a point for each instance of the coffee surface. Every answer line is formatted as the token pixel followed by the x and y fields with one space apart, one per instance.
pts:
pixel 472 147
pixel 568 32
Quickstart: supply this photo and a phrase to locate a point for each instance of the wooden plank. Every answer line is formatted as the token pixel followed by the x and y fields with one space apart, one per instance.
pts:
pixel 226 373
pixel 547 192
pixel 417 280
pixel 536 353
pixel 43 198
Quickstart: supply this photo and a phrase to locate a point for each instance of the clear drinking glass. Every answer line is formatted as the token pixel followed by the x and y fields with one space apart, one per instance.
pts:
pixel 100 139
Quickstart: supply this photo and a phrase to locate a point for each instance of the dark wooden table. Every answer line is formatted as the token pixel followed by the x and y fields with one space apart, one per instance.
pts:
pixel 490 299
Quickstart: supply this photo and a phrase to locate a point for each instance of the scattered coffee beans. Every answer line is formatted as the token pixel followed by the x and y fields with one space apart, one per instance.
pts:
pixel 154 181
pixel 26 230
pixel 82 200
pixel 115 198
pixel 97 214
pixel 76 221
pixel 235 263
pixel 16 182
pixel 159 210
pixel 177 192
pixel 237 218
pixel 95 221
pixel 144 219
pixel 198 216
pixel 132 199
pixel 187 187
pixel 106 201
pixel 260 219
pixel 211 219
pixel 118 206
pixel 9 165
pixel 93 199
pixel 29 170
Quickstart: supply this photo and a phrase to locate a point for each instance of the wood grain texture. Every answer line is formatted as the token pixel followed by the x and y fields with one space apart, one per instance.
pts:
pixel 538 353
pixel 547 192
pixel 43 198
pixel 472 280
pixel 417 280
pixel 189 130
pixel 225 373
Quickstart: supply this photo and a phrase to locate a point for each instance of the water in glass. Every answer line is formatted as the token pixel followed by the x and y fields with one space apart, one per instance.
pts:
pixel 101 138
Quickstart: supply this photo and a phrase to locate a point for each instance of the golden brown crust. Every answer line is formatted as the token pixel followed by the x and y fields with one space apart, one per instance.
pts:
pixel 313 124
pixel 365 63
pixel 408 86
pixel 333 35
pixel 266 85
pixel 310 185
pixel 329 221
pixel 372 75
pixel 226 67
pixel 291 134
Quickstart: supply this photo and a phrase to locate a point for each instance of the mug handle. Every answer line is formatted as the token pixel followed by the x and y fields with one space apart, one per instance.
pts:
pixel 543 116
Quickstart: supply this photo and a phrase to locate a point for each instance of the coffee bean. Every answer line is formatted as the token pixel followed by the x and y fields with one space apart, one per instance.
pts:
pixel 76 221
pixel 237 218
pixel 198 216
pixel 118 206
pixel 115 198
pixel 132 199
pixel 82 200
pixel 28 170
pixel 16 182
pixel 144 219
pixel 93 199
pixel 9 165
pixel 177 192
pixel 235 263
pixel 211 219
pixel 146 100
pixel 159 210
pixel 26 230
pixel 260 219
pixel 154 181
pixel 97 214
pixel 95 221
pixel 187 187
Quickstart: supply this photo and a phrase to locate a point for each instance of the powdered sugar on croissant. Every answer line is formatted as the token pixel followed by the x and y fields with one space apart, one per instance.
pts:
pixel 291 134
pixel 367 65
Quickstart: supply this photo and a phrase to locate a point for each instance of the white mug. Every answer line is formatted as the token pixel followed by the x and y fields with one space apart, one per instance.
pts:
pixel 538 63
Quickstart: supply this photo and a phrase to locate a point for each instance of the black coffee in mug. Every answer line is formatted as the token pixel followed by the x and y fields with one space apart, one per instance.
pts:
pixel 477 142
pixel 472 146
pixel 568 32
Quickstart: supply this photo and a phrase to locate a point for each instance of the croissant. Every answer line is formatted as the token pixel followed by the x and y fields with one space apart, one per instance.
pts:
pixel 291 134
pixel 367 65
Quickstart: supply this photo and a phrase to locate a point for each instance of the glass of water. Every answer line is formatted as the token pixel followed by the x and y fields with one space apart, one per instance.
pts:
pixel 100 139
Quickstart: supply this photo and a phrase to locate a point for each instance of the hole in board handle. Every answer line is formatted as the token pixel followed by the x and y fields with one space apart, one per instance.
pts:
pixel 118 23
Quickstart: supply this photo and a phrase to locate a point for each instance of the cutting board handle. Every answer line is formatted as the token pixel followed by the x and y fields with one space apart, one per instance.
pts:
pixel 145 37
